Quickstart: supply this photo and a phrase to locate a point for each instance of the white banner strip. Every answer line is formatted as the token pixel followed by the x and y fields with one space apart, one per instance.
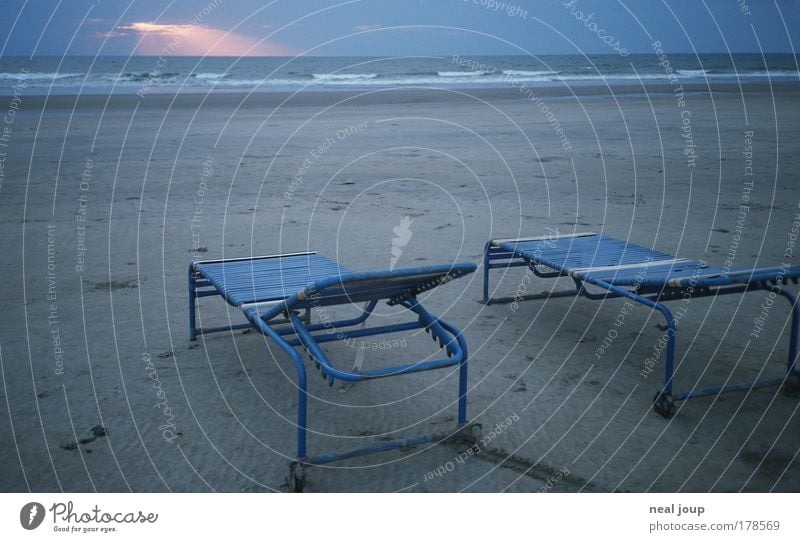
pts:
pixel 390 517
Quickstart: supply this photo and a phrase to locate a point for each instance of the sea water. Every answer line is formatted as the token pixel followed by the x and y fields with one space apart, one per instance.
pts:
pixel 138 74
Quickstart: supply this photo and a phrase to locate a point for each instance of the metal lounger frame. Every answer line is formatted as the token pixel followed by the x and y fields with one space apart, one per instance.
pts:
pixel 278 319
pixel 504 254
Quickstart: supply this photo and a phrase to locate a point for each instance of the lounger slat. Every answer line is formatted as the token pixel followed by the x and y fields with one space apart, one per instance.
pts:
pixel 586 252
pixel 597 257
pixel 251 281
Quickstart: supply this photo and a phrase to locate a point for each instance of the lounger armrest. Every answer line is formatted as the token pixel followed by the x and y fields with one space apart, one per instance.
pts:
pixel 740 276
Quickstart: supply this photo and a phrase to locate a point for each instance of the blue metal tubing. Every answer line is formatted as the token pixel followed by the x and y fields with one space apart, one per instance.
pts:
pixel 342 335
pixel 287 330
pixel 669 364
pixel 316 295
pixel 664 295
pixel 791 366
pixel 192 302
pixel 324 287
pixel 514 259
pixel 486 259
pixel 365 313
pixel 714 390
pixel 302 394
pixel 194 293
pixel 436 328
pixel 414 441
pixel 753 276
pixel 617 267
pixel 517 259
pixel 462 373
pixel 530 297
pixel 319 356
pixel 204 293
pixel 462 359
pixel 439 328
pixel 672 295
pixel 596 297
pixel 375 448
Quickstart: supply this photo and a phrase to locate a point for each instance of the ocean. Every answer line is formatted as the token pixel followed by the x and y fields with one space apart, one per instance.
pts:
pixel 138 74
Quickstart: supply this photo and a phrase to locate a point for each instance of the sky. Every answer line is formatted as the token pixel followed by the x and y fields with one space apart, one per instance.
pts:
pixel 394 27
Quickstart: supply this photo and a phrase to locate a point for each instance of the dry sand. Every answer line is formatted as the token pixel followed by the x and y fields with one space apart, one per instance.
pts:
pixel 163 179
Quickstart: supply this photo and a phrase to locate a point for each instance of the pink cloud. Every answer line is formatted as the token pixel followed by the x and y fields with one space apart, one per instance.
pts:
pixel 199 40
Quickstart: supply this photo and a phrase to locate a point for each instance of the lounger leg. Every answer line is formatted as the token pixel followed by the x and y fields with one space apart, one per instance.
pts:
pixel 297 468
pixel 486 274
pixel 663 402
pixel 427 318
pixel 192 305
pixel 302 411
pixel 793 377
pixel 358 364
pixel 302 394
pixel 518 261
pixel 462 392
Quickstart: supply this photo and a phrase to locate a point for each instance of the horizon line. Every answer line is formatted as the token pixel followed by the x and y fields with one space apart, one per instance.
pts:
pixel 429 55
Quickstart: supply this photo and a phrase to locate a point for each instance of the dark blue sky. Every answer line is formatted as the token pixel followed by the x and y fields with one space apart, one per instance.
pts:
pixel 364 27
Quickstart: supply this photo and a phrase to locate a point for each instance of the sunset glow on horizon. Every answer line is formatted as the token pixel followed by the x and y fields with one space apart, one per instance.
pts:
pixel 199 40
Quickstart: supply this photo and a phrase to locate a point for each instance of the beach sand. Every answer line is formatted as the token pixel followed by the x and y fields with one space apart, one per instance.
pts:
pixel 104 202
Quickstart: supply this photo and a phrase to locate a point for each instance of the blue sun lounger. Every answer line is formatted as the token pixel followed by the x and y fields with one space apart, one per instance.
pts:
pixel 646 276
pixel 272 290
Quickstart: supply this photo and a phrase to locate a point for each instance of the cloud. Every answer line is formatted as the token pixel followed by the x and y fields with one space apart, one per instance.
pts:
pixel 199 40
pixel 110 34
pixel 160 28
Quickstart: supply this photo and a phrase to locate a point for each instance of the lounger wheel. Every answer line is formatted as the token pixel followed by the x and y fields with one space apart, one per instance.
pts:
pixel 792 383
pixel 476 433
pixel 297 477
pixel 664 405
pixel 471 433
